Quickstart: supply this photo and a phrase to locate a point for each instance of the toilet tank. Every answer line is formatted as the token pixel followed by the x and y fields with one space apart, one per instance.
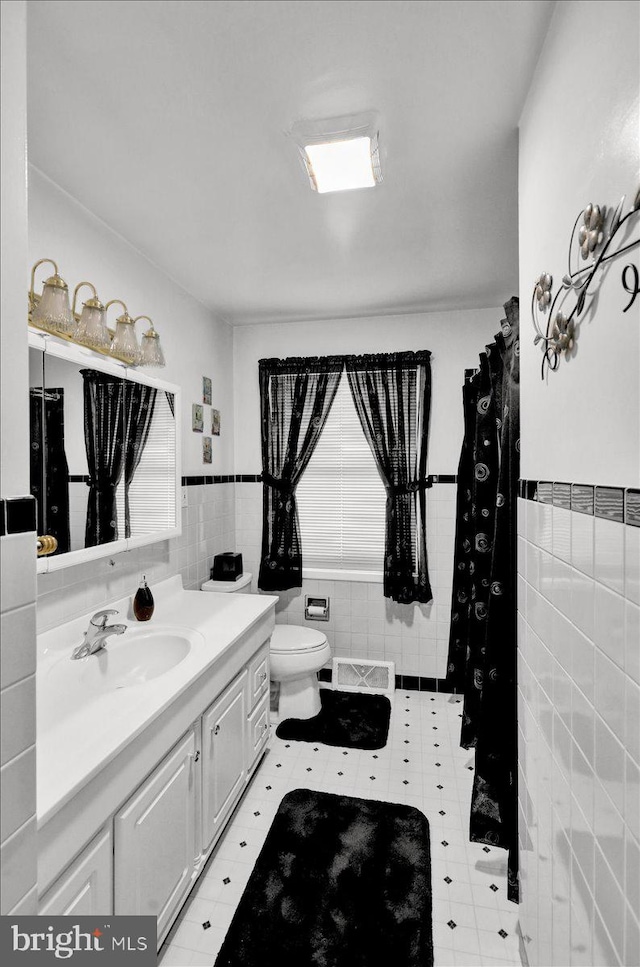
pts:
pixel 240 586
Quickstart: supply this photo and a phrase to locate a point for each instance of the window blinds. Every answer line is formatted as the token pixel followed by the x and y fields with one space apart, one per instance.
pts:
pixel 341 498
pixel 152 493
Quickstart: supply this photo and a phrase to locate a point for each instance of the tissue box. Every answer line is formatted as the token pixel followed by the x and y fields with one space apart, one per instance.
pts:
pixel 226 567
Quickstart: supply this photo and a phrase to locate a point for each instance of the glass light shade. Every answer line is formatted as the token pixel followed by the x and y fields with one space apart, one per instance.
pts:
pixel 53 311
pixel 152 354
pixel 124 344
pixel 92 328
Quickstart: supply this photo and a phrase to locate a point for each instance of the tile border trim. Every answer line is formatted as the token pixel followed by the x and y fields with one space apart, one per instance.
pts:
pixel 618 504
pixel 199 480
pixel 17 515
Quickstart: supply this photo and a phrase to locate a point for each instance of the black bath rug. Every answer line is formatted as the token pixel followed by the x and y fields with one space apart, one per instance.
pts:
pixel 339 882
pixel 350 719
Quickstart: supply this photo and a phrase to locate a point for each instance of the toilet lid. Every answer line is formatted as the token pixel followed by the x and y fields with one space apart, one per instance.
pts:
pixel 296 638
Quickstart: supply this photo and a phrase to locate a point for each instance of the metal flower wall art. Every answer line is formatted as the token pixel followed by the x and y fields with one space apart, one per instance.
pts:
pixel 599 236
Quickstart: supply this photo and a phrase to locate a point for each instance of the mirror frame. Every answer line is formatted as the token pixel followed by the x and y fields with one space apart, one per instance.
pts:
pixel 49 345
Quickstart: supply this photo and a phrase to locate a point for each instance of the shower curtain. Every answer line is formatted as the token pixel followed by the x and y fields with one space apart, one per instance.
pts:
pixel 483 642
pixel 48 464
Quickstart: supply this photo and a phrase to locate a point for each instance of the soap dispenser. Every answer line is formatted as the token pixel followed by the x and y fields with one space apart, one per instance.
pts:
pixel 143 602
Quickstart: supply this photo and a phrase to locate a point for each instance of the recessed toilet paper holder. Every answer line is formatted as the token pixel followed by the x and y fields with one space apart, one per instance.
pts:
pixel 316 609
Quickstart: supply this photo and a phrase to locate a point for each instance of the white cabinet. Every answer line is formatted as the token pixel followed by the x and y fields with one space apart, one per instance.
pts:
pixel 155 839
pixel 155 845
pixel 223 757
pixel 86 889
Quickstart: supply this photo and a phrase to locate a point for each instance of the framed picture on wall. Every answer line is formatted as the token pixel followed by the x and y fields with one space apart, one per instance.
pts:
pixel 206 449
pixel 197 418
pixel 206 390
pixel 215 422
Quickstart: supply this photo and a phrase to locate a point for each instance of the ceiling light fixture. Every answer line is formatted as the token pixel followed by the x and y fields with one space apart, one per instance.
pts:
pixel 340 154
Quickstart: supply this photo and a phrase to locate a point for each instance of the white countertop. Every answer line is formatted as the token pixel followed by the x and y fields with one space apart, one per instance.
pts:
pixel 80 729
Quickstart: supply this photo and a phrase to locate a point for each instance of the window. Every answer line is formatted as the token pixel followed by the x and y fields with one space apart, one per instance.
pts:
pixel 341 498
pixel 152 494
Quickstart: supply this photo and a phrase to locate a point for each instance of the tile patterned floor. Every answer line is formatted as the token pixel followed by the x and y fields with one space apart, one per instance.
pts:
pixel 422 765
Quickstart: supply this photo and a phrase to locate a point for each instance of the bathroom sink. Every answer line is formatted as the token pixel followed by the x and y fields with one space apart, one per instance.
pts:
pixel 136 658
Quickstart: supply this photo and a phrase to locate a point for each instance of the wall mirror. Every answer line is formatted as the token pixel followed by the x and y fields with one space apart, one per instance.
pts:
pixel 104 453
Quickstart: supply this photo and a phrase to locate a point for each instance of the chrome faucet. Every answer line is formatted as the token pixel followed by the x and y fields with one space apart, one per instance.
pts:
pixel 97 633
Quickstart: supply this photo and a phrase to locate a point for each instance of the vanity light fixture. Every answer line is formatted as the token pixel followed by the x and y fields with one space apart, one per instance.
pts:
pixel 124 345
pixel 51 310
pixel 340 154
pixel 52 313
pixel 91 328
pixel 151 353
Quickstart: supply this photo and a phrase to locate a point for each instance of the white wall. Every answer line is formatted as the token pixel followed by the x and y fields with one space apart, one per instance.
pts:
pixel 195 343
pixel 17 551
pixel 363 623
pixel 579 144
pixel 454 338
pixel 579 576
pixel 13 362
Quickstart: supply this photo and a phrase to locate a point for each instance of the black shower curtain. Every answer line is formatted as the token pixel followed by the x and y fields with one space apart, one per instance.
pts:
pixel 295 399
pixel 49 470
pixel 483 640
pixel 392 396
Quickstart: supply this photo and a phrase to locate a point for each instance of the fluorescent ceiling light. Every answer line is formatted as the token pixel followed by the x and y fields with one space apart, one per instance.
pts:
pixel 340 153
pixel 340 165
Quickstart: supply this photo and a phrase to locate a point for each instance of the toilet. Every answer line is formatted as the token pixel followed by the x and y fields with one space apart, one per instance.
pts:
pixel 296 654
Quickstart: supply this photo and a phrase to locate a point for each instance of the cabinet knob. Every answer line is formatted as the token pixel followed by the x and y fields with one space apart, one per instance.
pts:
pixel 265 727
pixel 196 757
pixel 263 678
pixel 215 730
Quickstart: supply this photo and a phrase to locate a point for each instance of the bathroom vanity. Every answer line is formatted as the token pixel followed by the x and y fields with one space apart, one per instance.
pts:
pixel 144 751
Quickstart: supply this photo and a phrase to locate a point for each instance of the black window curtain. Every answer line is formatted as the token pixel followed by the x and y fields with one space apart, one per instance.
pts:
pixel 49 469
pixel 392 395
pixel 295 399
pixel 117 420
pixel 139 404
pixel 483 640
pixel 104 443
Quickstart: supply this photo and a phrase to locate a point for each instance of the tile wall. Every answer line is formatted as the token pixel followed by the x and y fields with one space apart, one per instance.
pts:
pixel 579 735
pixel 363 624
pixel 17 728
pixel 208 527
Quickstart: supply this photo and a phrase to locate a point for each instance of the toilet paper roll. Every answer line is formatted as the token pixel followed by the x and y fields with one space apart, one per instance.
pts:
pixel 315 611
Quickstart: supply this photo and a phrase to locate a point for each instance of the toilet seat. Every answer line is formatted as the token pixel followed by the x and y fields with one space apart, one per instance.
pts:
pixel 296 639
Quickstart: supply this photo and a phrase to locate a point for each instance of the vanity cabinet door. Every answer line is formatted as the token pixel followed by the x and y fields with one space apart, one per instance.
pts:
pixel 223 757
pixel 86 888
pixel 155 839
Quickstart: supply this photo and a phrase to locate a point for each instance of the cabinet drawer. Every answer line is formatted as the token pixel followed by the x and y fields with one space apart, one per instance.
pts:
pixel 86 888
pixel 258 731
pixel 259 675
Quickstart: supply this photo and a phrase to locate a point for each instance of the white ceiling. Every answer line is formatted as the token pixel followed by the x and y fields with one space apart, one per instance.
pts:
pixel 168 119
